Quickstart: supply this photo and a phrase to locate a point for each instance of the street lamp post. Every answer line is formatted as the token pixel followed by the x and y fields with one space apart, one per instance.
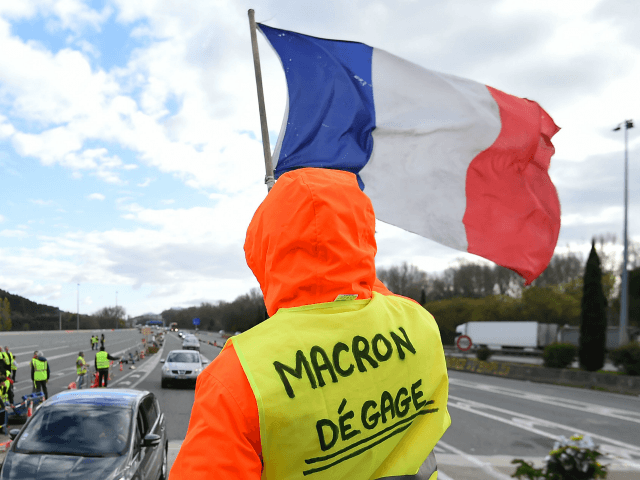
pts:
pixel 116 309
pixel 78 315
pixel 624 288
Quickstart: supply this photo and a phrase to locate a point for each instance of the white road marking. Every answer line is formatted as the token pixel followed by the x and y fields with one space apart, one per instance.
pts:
pixel 627 415
pixel 485 467
pixel 615 449
pixel 145 370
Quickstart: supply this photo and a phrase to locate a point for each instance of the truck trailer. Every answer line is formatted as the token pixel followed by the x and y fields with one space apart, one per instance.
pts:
pixel 514 336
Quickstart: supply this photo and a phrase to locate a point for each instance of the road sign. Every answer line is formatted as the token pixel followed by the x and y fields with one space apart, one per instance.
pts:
pixel 146 331
pixel 463 343
pixel 196 321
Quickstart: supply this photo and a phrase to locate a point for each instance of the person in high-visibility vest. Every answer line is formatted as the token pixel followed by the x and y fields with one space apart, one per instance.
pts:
pixel 40 373
pixel 102 366
pixel 6 394
pixel 345 380
pixel 5 363
pixel 81 370
pixel 14 367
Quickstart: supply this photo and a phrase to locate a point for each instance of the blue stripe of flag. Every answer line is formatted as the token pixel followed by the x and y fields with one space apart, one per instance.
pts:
pixel 331 109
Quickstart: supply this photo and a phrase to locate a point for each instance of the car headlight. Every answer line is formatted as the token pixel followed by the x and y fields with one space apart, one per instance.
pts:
pixel 198 370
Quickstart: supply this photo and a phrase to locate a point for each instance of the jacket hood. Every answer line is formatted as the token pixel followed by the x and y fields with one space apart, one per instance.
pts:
pixel 312 239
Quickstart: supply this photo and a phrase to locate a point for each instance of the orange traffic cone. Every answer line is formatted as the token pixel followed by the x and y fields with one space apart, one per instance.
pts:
pixel 30 409
pixel 120 366
pixel 142 354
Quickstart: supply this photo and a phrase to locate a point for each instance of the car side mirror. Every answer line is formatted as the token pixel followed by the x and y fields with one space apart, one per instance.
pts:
pixel 151 440
pixel 162 360
pixel 204 362
pixel 13 433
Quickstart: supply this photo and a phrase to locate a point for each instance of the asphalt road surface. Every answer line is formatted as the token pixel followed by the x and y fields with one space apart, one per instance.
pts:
pixel 494 420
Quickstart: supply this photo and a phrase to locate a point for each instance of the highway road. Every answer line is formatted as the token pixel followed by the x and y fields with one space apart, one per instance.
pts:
pixel 494 420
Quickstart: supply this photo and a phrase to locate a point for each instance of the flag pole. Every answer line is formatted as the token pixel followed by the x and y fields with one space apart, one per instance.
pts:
pixel 268 164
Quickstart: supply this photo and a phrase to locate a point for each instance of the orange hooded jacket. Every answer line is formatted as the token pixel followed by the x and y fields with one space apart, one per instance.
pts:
pixel 309 241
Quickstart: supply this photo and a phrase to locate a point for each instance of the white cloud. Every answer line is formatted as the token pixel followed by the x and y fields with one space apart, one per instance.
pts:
pixel 96 196
pixel 13 233
pixel 183 109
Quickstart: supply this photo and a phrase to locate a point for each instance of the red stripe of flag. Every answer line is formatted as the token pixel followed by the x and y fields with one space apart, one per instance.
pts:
pixel 512 215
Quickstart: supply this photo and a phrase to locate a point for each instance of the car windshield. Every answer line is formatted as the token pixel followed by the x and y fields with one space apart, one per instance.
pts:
pixel 84 430
pixel 183 357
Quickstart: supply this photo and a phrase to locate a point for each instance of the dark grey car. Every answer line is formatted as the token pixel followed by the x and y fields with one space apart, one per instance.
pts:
pixel 106 434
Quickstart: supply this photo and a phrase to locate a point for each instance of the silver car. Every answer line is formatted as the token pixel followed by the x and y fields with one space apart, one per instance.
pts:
pixel 181 366
pixel 190 342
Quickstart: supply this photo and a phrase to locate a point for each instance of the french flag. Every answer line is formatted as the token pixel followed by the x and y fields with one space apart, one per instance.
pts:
pixel 441 156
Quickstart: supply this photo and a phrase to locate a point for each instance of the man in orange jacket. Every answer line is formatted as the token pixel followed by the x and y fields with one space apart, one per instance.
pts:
pixel 345 379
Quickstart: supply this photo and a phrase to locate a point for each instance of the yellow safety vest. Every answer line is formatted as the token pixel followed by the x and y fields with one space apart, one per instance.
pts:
pixel 13 361
pixel 101 360
pixel 82 369
pixel 4 390
pixel 7 360
pixel 40 370
pixel 351 389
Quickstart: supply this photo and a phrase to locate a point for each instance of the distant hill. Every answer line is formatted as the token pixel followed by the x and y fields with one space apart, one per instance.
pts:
pixel 28 315
pixel 27 307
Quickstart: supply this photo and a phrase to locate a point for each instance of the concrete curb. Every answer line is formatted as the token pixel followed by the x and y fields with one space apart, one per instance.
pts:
pixel 573 378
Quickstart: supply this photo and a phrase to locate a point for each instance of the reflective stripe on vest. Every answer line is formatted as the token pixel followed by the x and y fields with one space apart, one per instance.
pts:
pixel 40 370
pixel 427 471
pixel 82 369
pixel 13 361
pixel 356 386
pixel 101 360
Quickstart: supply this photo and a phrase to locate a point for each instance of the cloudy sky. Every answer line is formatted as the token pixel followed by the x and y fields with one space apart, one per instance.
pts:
pixel 130 159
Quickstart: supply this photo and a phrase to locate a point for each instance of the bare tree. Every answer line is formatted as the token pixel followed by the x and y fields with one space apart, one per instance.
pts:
pixel 406 280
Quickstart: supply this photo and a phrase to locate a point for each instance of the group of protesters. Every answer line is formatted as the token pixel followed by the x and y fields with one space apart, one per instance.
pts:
pixel 94 341
pixel 41 373
pixel 101 364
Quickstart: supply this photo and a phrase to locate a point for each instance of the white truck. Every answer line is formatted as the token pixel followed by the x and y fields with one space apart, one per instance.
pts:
pixel 518 336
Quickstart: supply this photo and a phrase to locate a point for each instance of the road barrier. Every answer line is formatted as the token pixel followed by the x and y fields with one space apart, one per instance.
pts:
pixel 574 378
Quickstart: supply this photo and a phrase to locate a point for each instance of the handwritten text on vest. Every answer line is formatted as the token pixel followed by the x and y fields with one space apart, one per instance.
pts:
pixel 378 350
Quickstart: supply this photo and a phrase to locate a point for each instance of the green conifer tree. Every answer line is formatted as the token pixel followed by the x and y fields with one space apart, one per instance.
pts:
pixel 593 326
pixel 5 314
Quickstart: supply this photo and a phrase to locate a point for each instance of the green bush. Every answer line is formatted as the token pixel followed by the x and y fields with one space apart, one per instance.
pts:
pixel 483 353
pixel 628 357
pixel 559 355
pixel 151 350
pixel 576 458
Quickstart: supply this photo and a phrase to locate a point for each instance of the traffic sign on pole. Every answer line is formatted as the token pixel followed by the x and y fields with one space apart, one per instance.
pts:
pixel 463 343
pixel 196 321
